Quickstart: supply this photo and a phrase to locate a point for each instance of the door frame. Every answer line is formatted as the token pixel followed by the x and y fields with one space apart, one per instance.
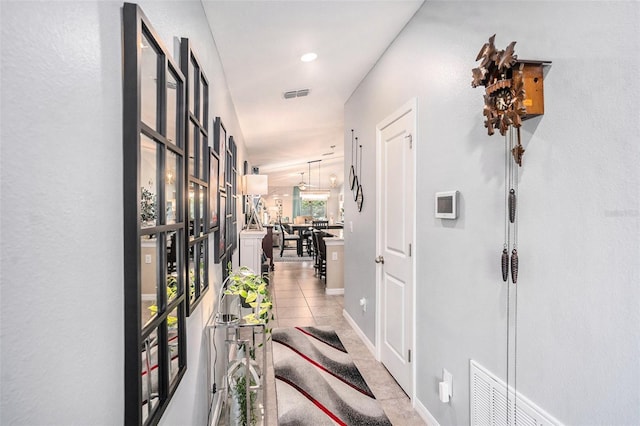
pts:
pixel 410 105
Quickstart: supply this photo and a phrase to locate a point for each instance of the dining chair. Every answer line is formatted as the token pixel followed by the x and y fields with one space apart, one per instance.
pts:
pixel 288 235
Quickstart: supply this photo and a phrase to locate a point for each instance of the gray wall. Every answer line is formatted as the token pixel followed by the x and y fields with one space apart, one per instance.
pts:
pixel 579 299
pixel 62 275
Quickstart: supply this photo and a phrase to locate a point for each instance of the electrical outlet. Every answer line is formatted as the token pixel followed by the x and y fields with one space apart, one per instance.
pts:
pixel 363 303
pixel 334 256
pixel 448 378
pixel 147 258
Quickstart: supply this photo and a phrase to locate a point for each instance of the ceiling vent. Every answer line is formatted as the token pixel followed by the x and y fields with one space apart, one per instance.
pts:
pixel 296 93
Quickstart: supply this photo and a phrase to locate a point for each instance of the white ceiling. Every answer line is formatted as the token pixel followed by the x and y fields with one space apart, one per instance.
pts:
pixel 260 45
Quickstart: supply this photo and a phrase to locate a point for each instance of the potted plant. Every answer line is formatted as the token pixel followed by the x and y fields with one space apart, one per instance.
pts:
pixel 148 213
pixel 243 411
pixel 254 293
pixel 244 373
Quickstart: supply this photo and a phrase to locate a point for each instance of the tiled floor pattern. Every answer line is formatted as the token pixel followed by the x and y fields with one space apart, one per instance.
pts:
pixel 300 300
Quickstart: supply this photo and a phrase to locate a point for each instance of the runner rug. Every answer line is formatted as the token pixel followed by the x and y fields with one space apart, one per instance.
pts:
pixel 317 383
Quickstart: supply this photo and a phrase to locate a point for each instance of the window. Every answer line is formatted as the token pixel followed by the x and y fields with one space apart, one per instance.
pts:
pixel 315 208
pixel 154 221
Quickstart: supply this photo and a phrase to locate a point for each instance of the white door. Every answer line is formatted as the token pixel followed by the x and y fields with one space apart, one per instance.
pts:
pixel 395 137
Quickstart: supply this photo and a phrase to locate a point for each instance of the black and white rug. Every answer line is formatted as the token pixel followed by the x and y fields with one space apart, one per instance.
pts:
pixel 317 382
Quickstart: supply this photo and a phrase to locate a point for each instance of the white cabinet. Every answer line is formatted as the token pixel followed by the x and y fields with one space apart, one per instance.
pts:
pixel 251 249
pixel 335 265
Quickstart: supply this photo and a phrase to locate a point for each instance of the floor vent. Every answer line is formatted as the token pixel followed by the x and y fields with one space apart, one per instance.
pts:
pixel 489 403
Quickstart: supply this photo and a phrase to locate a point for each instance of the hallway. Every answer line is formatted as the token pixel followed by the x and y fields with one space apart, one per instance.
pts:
pixel 299 300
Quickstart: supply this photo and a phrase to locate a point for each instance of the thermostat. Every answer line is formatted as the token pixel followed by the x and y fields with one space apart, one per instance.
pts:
pixel 447 205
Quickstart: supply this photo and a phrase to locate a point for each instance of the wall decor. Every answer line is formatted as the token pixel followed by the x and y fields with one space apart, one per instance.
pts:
pixel 359 192
pixel 507 81
pixel 197 173
pixel 221 247
pixel 352 170
pixel 513 93
pixel 220 146
pixel 504 89
pixel 354 187
pixel 232 197
pixel 214 168
pixel 154 254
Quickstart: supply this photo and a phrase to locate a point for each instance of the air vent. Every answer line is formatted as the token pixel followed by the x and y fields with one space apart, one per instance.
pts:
pixel 296 93
pixel 489 404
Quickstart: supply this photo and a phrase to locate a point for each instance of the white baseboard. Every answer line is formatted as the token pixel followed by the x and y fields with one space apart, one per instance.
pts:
pixel 424 413
pixel 418 406
pixel 360 333
pixel 333 291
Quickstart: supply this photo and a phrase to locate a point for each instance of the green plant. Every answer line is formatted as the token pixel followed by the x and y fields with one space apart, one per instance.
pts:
pixel 172 291
pixel 252 290
pixel 147 205
pixel 240 394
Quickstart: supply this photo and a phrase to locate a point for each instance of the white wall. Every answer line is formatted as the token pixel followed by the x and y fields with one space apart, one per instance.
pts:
pixel 578 334
pixel 62 275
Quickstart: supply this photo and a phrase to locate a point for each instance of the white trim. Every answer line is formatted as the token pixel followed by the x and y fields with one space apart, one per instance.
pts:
pixel 424 413
pixel 360 333
pixel 411 105
pixel 333 291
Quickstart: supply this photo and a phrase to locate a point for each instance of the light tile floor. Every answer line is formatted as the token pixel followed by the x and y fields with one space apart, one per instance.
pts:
pixel 300 300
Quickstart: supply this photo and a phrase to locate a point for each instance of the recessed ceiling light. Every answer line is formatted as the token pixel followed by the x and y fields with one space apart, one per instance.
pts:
pixel 308 57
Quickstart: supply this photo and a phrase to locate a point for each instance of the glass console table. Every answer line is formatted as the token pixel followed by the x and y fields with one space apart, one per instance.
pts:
pixel 241 347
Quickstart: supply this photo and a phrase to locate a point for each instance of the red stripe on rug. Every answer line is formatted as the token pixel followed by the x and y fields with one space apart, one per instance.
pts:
pixel 320 366
pixel 300 329
pixel 155 366
pixel 313 400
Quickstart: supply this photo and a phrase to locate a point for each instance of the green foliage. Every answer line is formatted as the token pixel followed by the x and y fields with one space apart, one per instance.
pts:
pixel 253 289
pixel 240 394
pixel 147 205
pixel 172 291
pixel 315 208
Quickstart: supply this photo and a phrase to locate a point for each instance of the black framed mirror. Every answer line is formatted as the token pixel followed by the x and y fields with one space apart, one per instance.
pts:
pixel 154 218
pixel 196 174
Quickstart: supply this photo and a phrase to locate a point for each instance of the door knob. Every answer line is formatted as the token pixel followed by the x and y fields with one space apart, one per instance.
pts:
pixel 380 259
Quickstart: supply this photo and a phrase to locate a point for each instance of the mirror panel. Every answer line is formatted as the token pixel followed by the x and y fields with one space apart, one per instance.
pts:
pixel 192 272
pixel 150 394
pixel 172 183
pixel 173 248
pixel 148 179
pixel 204 250
pixel 202 150
pixel 192 146
pixel 148 77
pixel 173 344
pixel 201 210
pixel 191 80
pixel 148 278
pixel 173 119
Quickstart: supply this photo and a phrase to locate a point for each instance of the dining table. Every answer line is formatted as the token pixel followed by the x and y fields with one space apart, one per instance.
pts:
pixel 299 228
